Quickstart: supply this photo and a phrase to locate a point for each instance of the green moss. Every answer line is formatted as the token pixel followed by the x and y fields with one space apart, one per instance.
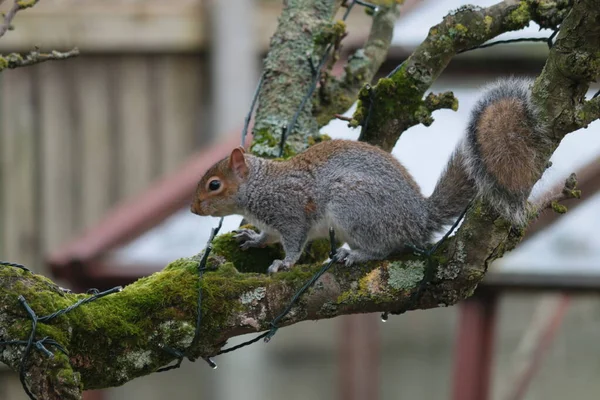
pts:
pixel 265 144
pixel 519 17
pixel 312 140
pixel 67 377
pixel 488 21
pixel 251 260
pixel 458 31
pixel 23 4
pixel 398 95
pixel 558 208
pixel 330 33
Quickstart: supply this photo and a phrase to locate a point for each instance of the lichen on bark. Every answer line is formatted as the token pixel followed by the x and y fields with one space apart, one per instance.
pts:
pixel 124 335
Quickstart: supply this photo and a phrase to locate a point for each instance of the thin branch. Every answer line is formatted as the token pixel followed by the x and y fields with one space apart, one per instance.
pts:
pixel 18 5
pixel 15 60
pixel 337 95
pixel 553 200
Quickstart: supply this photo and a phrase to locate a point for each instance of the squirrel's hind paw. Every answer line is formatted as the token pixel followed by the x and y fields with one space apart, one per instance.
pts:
pixel 278 266
pixel 354 256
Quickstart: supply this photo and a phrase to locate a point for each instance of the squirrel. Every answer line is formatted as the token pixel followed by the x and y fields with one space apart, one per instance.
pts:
pixel 368 197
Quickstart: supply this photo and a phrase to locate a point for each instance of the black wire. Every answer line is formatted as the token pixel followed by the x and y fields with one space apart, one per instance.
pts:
pixel 532 39
pixel 94 297
pixel 276 320
pixel 307 96
pixel 201 269
pixel 22 371
pixel 39 344
pixel 247 343
pixel 271 332
pixel 429 269
pixel 252 105
pixel 367 5
pixel 15 265
pixel 369 111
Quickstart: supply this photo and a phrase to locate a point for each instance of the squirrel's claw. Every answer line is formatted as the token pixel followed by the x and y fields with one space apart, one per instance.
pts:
pixel 249 238
pixel 278 266
pixel 344 256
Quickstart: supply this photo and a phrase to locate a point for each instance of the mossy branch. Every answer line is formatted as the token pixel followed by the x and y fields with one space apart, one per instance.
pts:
pixel 398 100
pixel 573 62
pixel 123 336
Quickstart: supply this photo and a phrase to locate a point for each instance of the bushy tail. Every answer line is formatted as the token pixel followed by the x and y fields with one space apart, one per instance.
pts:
pixel 453 192
pixel 501 157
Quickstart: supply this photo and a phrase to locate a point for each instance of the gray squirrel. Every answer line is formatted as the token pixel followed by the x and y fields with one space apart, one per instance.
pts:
pixel 368 197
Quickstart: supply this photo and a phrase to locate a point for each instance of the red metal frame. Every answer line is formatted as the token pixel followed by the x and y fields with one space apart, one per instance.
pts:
pixel 359 357
pixel 475 347
pixel 139 214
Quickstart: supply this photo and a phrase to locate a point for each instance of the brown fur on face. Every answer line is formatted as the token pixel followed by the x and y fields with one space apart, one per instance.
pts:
pixel 220 202
pixel 507 146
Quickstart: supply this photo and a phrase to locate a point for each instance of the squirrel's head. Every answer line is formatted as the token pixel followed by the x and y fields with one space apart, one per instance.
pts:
pixel 217 190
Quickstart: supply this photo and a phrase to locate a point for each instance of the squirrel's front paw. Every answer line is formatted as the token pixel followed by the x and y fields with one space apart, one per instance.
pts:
pixel 278 266
pixel 349 257
pixel 249 238
pixel 344 256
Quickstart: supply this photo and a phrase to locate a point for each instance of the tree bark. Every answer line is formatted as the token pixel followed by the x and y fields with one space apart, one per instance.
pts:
pixel 125 335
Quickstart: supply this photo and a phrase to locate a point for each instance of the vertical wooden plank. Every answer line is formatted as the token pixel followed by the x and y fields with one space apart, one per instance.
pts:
pixel 179 96
pixel 10 387
pixel 92 94
pixel 57 182
pixel 135 138
pixel 18 143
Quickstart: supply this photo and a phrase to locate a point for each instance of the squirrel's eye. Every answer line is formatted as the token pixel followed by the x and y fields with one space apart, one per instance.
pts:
pixel 214 185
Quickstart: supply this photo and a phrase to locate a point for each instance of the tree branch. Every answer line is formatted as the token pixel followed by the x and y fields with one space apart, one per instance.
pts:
pixel 15 60
pixel 17 6
pixel 397 101
pixel 289 68
pixel 338 95
pixel 125 335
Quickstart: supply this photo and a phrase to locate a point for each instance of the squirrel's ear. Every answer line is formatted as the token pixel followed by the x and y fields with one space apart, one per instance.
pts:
pixel 237 163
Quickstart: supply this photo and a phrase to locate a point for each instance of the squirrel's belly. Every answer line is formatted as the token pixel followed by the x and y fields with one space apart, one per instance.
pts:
pixel 320 229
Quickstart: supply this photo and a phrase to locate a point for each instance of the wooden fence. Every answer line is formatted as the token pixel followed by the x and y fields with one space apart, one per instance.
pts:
pixel 77 136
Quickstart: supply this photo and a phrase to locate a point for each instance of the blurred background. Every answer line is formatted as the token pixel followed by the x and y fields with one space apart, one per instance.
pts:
pixel 100 154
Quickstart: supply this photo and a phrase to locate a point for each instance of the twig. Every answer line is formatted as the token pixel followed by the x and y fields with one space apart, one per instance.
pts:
pixel 15 60
pixel 569 191
pixel 342 117
pixel 17 6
